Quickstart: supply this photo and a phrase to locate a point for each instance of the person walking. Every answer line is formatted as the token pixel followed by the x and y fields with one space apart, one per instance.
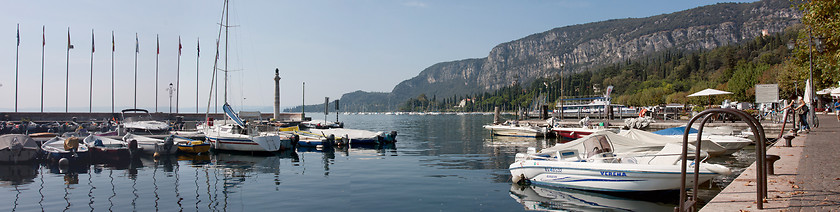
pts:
pixel 837 108
pixel 802 110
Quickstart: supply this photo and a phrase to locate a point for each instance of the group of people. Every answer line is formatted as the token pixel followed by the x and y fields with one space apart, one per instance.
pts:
pixel 801 109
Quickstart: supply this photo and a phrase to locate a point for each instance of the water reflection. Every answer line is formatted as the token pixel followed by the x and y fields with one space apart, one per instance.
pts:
pixel 559 199
pixel 17 174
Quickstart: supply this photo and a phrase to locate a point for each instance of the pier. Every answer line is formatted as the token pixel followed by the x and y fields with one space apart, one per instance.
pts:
pixel 806 178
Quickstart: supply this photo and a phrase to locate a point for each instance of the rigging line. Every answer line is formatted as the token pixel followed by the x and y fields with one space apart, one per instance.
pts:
pixel 215 66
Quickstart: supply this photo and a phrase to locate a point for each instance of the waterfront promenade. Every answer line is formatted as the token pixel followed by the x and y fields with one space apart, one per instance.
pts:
pixel 807 177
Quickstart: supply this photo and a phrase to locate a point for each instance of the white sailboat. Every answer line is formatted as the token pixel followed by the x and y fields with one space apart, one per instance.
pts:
pixel 233 133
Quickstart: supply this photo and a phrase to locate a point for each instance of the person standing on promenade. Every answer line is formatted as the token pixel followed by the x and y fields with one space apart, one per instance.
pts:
pixel 837 108
pixel 802 111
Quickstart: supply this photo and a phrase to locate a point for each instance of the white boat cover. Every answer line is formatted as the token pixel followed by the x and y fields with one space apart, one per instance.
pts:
pixel 17 142
pixel 620 144
pixel 705 144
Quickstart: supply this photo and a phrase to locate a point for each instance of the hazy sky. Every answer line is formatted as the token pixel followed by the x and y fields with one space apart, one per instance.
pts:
pixel 334 46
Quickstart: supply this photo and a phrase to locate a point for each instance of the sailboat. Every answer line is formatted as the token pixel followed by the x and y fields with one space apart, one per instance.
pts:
pixel 233 133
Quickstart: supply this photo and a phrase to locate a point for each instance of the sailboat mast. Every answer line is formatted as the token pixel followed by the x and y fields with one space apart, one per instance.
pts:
pixel 227 24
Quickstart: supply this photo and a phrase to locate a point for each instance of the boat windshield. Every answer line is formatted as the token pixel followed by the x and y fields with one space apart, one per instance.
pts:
pixel 596 145
pixel 132 117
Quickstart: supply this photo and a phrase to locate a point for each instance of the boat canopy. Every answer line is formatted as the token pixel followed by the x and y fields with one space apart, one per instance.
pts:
pixel 232 115
pixel 675 131
pixel 17 141
pixel 619 144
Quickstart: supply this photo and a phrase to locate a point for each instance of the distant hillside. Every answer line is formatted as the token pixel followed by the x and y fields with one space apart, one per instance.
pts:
pixel 577 48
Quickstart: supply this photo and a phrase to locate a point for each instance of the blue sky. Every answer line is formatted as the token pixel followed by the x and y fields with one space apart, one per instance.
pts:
pixel 334 46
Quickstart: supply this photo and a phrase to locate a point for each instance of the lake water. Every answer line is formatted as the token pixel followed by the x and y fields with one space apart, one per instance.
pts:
pixel 440 163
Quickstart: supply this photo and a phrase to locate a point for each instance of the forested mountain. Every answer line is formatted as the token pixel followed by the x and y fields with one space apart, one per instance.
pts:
pixel 587 48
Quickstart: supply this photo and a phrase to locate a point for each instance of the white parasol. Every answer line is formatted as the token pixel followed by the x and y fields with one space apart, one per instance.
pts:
pixel 709 92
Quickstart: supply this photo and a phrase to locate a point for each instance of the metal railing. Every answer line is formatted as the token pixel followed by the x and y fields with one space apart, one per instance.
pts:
pixel 689 203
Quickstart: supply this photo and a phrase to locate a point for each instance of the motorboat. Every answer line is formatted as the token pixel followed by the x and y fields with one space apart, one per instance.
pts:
pixel 139 121
pixel 17 148
pixel 190 145
pixel 513 128
pixel 355 136
pixel 730 142
pixel 707 146
pixel 605 161
pixel 308 139
pixel 108 149
pixel 321 124
pixel 235 135
pixel 61 147
pixel 583 130
pixel 152 146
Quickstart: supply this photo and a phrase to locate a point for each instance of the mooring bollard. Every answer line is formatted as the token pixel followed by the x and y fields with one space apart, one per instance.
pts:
pixel 770 160
pixel 788 138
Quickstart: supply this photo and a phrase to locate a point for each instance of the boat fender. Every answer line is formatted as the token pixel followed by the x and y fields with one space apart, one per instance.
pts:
pixel 717 169
pixel 63 162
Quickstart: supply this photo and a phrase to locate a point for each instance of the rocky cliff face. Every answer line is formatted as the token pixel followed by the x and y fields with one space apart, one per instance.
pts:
pixel 581 47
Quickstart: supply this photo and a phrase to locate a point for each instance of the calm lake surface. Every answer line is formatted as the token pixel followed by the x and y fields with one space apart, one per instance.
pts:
pixel 440 163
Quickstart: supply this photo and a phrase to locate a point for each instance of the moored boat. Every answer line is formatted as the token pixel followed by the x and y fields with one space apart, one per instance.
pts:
pixel 237 136
pixel 510 128
pixel 190 145
pixel 107 149
pixel 355 136
pixel 139 121
pixel 17 148
pixel 152 146
pixel 61 147
pixel 605 161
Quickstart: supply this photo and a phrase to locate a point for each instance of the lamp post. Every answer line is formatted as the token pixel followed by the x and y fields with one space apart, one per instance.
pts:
pixel 170 89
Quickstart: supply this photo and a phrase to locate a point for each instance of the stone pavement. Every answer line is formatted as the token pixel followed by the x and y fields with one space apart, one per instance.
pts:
pixel 807 176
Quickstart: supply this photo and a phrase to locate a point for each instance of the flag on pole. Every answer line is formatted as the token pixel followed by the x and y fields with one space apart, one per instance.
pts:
pixel 92 42
pixel 69 46
pixel 179 45
pixel 18 34
pixel 198 47
pixel 113 47
pixel 43 35
pixel 137 44
pixel 158 43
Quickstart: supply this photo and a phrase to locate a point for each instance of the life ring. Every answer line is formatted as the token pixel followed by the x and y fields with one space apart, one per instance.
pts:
pixel 642 112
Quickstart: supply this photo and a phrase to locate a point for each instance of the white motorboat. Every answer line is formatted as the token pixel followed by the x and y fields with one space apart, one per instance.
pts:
pixel 139 121
pixel 355 136
pixel 60 147
pixel 237 136
pixel 605 161
pixel 153 146
pixel 730 142
pixel 513 128
pixel 579 132
pixel 15 148
pixel 321 124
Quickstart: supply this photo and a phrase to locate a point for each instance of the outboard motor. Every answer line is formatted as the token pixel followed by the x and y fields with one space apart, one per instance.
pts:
pixel 330 140
pixel 168 143
pixel 132 146
pixel 391 137
pixel 295 140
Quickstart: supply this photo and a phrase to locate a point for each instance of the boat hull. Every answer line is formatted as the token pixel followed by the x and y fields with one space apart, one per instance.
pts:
pixel 23 155
pixel 618 177
pixel 514 131
pixel 194 148
pixel 268 143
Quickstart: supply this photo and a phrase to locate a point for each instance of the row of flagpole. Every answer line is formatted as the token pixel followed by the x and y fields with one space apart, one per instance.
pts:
pixel 113 49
